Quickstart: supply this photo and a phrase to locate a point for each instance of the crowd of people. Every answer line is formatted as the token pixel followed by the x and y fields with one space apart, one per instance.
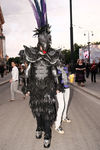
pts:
pixel 83 70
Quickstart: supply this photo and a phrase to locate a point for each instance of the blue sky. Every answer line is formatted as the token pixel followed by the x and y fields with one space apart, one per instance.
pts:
pixel 20 23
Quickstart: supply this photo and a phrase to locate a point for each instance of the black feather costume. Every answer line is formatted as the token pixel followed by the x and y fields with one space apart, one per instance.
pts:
pixel 43 80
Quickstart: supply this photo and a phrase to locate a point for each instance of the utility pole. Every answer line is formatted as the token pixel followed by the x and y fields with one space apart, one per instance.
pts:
pixel 71 38
pixel 88 43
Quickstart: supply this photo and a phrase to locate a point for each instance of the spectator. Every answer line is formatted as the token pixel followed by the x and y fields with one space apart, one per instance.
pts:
pixel 14 82
pixel 26 79
pixel 21 74
pixel 80 69
pixel 2 69
pixel 62 98
pixel 93 71
pixel 99 67
pixel 87 69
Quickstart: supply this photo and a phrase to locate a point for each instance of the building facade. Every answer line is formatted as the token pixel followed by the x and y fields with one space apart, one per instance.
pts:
pixel 2 37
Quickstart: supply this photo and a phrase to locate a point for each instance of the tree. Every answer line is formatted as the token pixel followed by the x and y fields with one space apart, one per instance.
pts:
pixel 67 54
pixel 76 52
pixel 96 43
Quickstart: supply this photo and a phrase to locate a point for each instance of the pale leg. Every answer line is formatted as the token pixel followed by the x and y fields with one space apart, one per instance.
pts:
pixel 60 109
pixel 12 91
pixel 66 100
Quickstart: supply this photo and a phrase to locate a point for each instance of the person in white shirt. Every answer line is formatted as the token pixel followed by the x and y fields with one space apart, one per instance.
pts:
pixel 14 81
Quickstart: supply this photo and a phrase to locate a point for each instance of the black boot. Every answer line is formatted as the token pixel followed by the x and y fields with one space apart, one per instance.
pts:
pixel 47 143
pixel 39 127
pixel 38 134
pixel 47 140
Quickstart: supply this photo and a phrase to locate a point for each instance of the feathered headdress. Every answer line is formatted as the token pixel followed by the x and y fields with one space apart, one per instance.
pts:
pixel 43 30
pixel 40 13
pixel 43 33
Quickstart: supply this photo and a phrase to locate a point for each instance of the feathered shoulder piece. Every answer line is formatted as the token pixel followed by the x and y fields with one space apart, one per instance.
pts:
pixel 31 53
pixel 54 55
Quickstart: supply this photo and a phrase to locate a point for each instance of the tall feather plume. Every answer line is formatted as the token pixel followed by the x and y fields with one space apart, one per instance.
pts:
pixel 36 14
pixel 44 12
pixel 37 7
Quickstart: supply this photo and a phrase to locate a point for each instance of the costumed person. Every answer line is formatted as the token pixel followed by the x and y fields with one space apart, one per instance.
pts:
pixel 62 98
pixel 43 81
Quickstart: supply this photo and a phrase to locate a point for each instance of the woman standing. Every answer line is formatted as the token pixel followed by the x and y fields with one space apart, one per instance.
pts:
pixel 80 77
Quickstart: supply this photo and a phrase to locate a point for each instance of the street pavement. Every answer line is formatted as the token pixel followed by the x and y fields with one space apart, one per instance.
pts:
pixel 5 79
pixel 91 87
pixel 17 125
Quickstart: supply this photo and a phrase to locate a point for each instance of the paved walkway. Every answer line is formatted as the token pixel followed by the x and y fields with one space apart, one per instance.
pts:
pixel 91 87
pixel 5 79
pixel 17 126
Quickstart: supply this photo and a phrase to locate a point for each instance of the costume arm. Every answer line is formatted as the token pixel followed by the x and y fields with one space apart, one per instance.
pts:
pixel 54 72
pixel 57 83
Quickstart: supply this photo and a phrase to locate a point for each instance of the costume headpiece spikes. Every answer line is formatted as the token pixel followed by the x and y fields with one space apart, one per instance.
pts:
pixel 40 12
pixel 36 14
pixel 43 29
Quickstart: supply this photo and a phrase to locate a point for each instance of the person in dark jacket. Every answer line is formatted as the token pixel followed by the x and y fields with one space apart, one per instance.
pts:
pixel 87 69
pixel 93 71
pixel 80 75
pixel 2 69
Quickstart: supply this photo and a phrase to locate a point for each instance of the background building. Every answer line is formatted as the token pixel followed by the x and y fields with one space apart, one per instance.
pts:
pixel 2 37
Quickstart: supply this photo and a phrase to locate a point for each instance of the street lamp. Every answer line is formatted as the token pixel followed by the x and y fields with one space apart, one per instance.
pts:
pixel 89 33
pixel 71 38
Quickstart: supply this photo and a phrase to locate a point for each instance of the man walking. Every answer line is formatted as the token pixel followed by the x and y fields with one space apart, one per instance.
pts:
pixel 93 71
pixel 14 81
